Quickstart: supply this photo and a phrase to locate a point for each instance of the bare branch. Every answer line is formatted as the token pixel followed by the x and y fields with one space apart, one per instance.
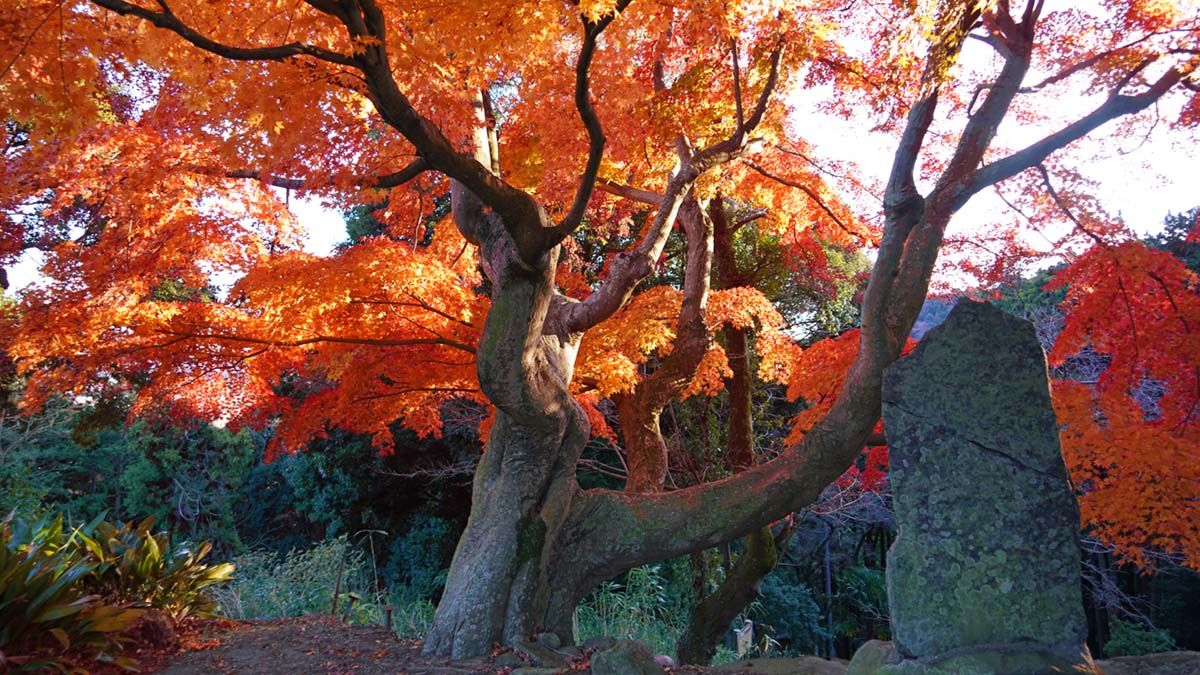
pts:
pixel 596 140
pixel 737 84
pixel 629 192
pixel 1063 207
pixel 1115 106
pixel 806 190
pixel 221 337
pixel 571 316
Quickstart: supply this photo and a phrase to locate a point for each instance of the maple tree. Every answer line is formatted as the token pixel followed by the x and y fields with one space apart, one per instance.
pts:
pixel 146 141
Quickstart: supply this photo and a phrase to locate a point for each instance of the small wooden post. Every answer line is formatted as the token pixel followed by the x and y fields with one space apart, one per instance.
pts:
pixel 337 587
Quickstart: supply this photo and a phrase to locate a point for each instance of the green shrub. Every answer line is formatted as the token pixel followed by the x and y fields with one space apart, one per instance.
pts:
pixel 1133 639
pixel 638 609
pixel 792 611
pixel 415 560
pixel 411 617
pixel 268 586
pixel 44 608
pixel 136 567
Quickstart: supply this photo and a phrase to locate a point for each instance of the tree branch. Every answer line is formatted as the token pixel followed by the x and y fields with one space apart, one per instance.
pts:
pixel 319 339
pixel 587 113
pixel 806 190
pixel 1115 106
pixel 167 19
pixel 629 192
pixel 567 315
pixel 386 181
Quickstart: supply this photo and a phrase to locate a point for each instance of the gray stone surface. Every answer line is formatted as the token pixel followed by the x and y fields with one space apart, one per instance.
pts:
pixel 986 561
pixel 626 657
pixel 540 655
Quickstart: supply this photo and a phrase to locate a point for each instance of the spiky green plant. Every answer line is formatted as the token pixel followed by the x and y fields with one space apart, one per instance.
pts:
pixel 44 609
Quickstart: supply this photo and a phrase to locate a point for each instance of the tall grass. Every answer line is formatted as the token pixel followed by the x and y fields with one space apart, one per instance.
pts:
pixel 641 608
pixel 269 586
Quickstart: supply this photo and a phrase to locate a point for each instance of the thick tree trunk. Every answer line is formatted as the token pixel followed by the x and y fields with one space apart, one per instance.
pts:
pixel 499 584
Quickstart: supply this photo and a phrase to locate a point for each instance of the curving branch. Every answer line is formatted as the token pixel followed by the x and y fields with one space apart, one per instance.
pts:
pixel 1117 105
pixel 383 182
pixel 168 20
pixel 595 132
pixel 641 408
pixel 812 194
pixel 569 316
pixel 628 192
pixel 303 342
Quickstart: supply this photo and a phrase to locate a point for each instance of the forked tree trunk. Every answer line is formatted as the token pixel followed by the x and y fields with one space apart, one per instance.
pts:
pixel 499 581
pixel 535 543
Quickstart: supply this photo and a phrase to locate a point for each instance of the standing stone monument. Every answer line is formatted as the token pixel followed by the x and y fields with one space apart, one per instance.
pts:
pixel 983 578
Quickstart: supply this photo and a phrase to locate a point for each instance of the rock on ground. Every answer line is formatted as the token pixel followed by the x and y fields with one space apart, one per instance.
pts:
pixel 985 567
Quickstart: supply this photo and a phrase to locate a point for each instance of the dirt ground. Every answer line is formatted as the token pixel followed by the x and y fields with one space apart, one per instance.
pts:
pixel 318 645
pixel 307 646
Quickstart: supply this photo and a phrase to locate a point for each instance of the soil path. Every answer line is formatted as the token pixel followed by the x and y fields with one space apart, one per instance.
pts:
pixel 310 646
pixel 318 645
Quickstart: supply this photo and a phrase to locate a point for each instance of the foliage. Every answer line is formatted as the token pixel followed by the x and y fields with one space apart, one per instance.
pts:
pixel 644 607
pixel 32 448
pixel 861 602
pixel 1133 639
pixel 270 586
pixel 188 476
pixel 133 566
pixel 417 560
pixel 793 613
pixel 1131 437
pixel 45 606
pixel 1177 238
pixel 411 617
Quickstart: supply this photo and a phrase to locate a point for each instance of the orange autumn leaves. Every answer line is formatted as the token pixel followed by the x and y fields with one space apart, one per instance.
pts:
pixel 1132 438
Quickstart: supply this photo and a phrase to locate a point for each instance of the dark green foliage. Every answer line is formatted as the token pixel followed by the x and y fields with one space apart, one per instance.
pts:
pixel 1177 591
pixel 417 559
pixel 1132 639
pixel 792 612
pixel 1174 238
pixel 187 478
pixel 362 224
pixel 861 604
pixel 1021 296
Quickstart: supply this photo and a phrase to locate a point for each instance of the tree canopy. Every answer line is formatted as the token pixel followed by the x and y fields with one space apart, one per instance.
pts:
pixel 147 145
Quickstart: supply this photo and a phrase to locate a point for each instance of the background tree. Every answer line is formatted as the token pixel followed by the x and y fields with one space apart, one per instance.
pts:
pixel 167 125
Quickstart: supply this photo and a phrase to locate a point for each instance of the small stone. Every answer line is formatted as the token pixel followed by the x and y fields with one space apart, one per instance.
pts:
pixel 571 651
pixel 626 657
pixel 540 655
pixel 549 640
pixel 664 660
pixel 508 660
